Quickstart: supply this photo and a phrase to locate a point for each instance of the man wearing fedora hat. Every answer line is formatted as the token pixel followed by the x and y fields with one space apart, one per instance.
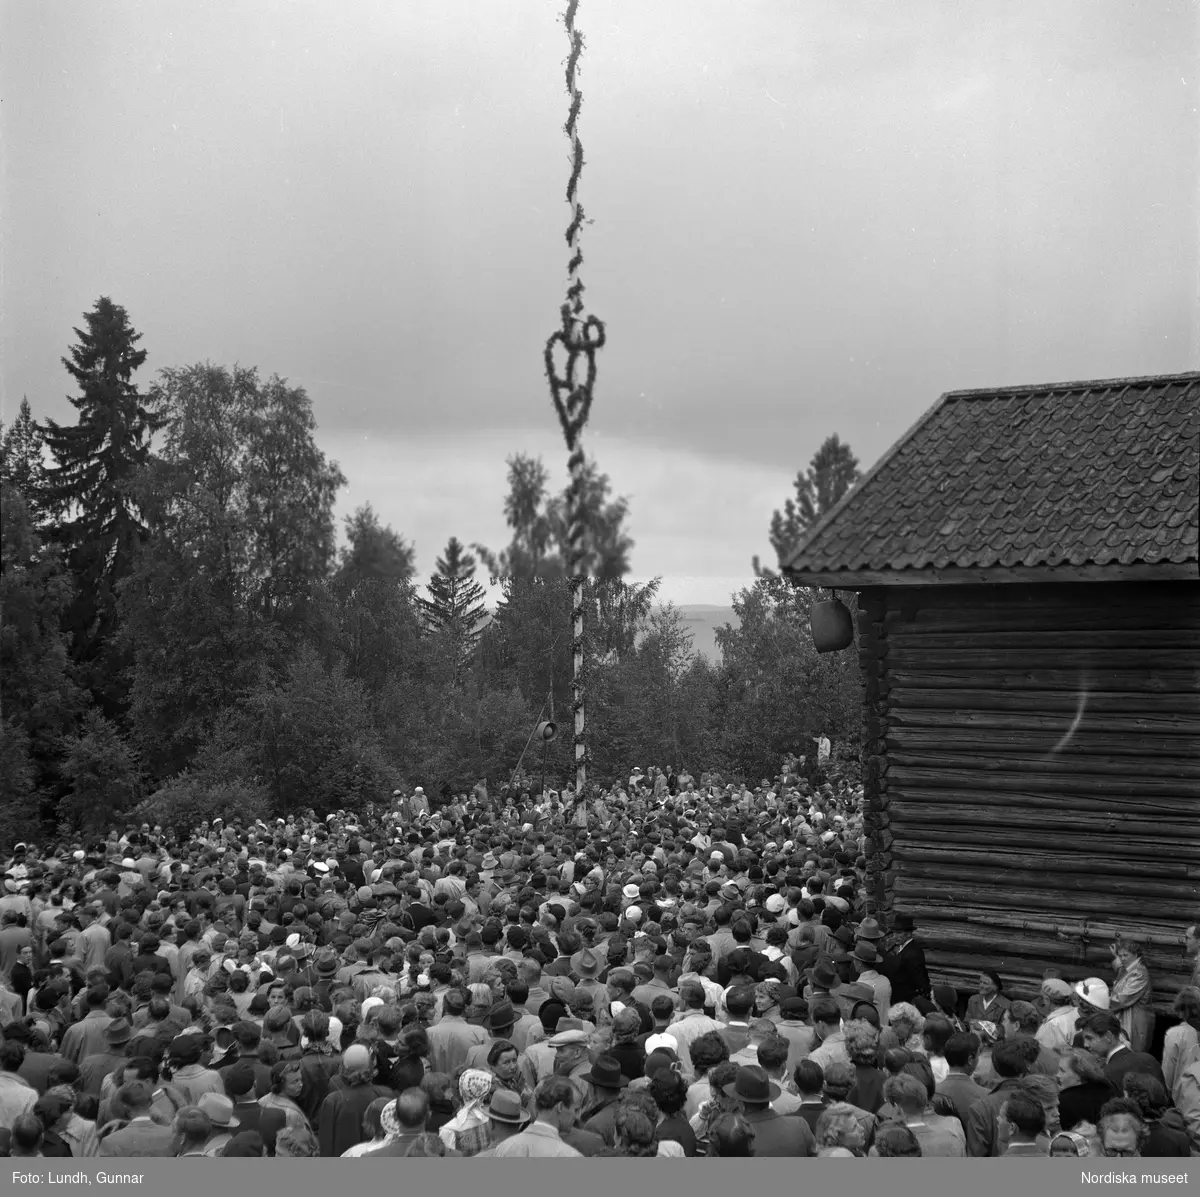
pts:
pixel 506 1117
pixel 865 960
pixel 607 1085
pixel 219 1109
pixel 499 1021
pixel 95 1067
pixel 587 964
pixel 774 1134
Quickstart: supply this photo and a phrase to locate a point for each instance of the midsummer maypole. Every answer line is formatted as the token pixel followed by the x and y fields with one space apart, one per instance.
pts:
pixel 575 343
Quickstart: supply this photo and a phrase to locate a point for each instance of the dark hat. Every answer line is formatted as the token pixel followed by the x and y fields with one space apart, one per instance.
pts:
pixel 327 964
pixel 824 976
pixel 844 936
pixel 500 1014
pixel 120 1030
pixel 505 1106
pixel 753 1085
pixel 903 922
pixel 247 1032
pixel 239 1079
pixel 606 1072
pixel 865 953
pixel 793 1007
pixel 247 1143
pixel 186 1048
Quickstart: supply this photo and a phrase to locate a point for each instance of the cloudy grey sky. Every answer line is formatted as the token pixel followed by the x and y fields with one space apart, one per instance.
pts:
pixel 809 217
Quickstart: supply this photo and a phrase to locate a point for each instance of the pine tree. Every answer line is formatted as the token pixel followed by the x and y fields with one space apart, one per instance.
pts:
pixel 455 607
pixel 831 473
pixel 21 459
pixel 87 489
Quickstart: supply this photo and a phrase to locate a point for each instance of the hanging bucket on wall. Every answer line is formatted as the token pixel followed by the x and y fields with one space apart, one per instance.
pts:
pixel 831 625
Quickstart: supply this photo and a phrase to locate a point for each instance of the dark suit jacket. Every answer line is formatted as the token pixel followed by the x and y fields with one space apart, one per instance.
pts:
pixel 1081 1103
pixel 36 1068
pixel 910 979
pixel 1126 1060
pixel 141 1138
pixel 780 1135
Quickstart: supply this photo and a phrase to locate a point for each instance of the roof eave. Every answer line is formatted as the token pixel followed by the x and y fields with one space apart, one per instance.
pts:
pixel 862 579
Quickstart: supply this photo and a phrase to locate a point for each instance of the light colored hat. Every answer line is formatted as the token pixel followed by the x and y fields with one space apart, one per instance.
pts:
pixel 634 914
pixel 775 904
pixel 1095 992
pixel 355 1057
pixel 1056 987
pixel 631 890
pixel 662 1040
pixel 219 1109
pixel 568 1039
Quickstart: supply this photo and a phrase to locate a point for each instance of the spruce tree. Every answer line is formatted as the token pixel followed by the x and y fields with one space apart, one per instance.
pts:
pixel 87 489
pixel 21 459
pixel 455 607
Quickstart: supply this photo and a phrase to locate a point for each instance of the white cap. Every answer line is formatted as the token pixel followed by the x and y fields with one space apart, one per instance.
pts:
pixel 1095 992
pixel 662 1040
pixel 775 903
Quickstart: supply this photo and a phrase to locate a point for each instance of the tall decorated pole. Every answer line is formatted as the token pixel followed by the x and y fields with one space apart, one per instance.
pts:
pixel 575 343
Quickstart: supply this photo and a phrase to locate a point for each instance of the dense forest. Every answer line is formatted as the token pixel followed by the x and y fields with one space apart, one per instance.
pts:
pixel 184 632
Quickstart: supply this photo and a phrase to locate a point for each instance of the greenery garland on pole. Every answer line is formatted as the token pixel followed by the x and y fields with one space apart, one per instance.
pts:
pixel 580 336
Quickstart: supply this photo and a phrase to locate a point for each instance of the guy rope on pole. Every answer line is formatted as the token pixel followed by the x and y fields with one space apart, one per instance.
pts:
pixel 579 336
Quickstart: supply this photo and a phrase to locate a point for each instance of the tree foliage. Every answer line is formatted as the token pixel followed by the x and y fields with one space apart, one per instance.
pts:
pixel 455 610
pixel 86 490
pixel 539 523
pixel 240 501
pixel 21 461
pixel 229 659
pixel 831 473
pixel 373 552
pixel 42 702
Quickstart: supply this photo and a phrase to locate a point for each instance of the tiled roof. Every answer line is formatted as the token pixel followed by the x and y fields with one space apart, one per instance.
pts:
pixel 1071 474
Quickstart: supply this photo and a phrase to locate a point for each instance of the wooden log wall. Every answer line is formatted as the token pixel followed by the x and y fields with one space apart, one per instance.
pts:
pixel 1032 774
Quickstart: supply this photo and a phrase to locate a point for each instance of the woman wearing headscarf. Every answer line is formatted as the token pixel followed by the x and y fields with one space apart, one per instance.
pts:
pixel 1068 1144
pixel 1130 996
pixel 467 1132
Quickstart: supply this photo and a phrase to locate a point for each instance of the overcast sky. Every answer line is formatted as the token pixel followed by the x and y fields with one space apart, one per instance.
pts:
pixel 810 217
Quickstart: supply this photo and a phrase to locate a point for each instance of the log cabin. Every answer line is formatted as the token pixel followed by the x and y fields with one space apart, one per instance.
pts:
pixel 1025 565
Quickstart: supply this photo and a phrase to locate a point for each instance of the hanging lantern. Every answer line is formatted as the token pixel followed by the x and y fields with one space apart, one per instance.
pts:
pixel 831 625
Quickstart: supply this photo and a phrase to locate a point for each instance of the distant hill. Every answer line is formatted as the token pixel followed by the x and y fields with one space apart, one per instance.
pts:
pixel 702 622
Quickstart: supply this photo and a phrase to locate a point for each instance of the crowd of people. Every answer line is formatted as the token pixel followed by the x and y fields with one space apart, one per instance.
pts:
pixel 676 967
